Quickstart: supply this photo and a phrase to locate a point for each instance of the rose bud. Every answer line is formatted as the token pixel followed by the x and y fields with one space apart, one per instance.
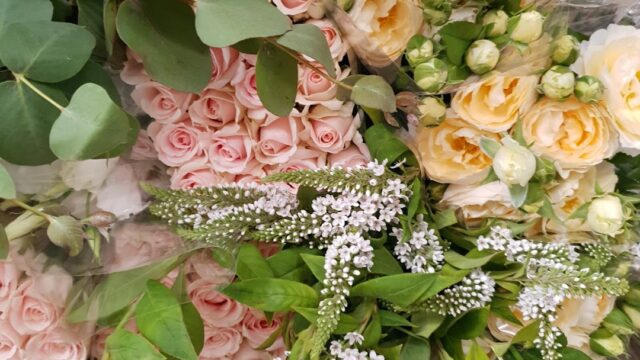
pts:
pixel 419 50
pixel 431 75
pixel 499 20
pixel 605 343
pixel 514 163
pixel 605 215
pixel 526 27
pixel 482 56
pixel 432 111
pixel 565 50
pixel 558 82
pixel 588 89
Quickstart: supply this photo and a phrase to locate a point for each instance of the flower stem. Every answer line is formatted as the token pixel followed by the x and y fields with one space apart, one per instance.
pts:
pixel 32 209
pixel 21 79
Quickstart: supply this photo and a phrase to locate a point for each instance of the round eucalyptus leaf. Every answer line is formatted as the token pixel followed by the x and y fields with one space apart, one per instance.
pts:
pixel 91 73
pixel 7 190
pixel 309 40
pixel 45 51
pixel 374 92
pixel 13 11
pixel 276 79
pixel 91 125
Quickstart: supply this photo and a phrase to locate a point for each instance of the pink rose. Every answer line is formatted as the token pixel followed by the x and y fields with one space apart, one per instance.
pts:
pixel 57 344
pixel 220 343
pixel 336 45
pixel 215 108
pixel 162 103
pixel 331 130
pixel 355 155
pixel 303 159
pixel 257 329
pixel 215 308
pixel 247 95
pixel 9 278
pixel 195 174
pixel 230 149
pixel 292 7
pixel 10 342
pixel 30 313
pixel 143 148
pixel 133 72
pixel 246 352
pixel 226 64
pixel 276 140
pixel 53 285
pixel 178 143
pixel 204 267
pixel 249 178
pixel 314 89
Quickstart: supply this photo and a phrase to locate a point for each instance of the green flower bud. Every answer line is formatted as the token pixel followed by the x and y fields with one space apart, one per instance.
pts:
pixel 432 111
pixel 419 50
pixel 526 27
pixel 633 314
pixel 499 20
pixel 431 75
pixel 588 89
pixel 558 82
pixel 565 50
pixel 606 215
pixel 618 323
pixel 605 343
pixel 482 56
pixel 345 4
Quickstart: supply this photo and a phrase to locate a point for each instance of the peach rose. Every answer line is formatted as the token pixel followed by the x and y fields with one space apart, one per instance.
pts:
pixel 257 329
pixel 337 46
pixel 226 64
pixel 577 318
pixel 215 308
pixel 220 343
pixel 143 149
pixel 314 89
pixel 495 103
pixel 450 152
pixel 9 278
pixel 10 342
pixel 276 140
pixel 231 149
pixel 575 135
pixel 133 72
pixel 195 174
pixel 215 108
pixel 57 344
pixel 30 313
pixel 162 103
pixel 330 130
pixel 247 95
pixel 292 7
pixel 204 267
pixel 477 202
pixel 178 143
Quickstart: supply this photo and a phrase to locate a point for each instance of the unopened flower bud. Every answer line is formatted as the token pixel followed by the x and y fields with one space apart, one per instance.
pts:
pixel 588 89
pixel 526 27
pixel 482 56
pixel 565 50
pixel 499 20
pixel 558 82
pixel 514 163
pixel 605 343
pixel 605 215
pixel 102 219
pixel 431 75
pixel 432 111
pixel 419 50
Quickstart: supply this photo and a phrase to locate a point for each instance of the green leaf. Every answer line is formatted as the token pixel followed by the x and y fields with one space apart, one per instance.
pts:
pixel 384 263
pixel 221 23
pixel 384 144
pixel 309 40
pixel 91 125
pixel 276 79
pixel 415 349
pixel 109 14
pixel 14 11
pixel 45 51
pixel 25 123
pixel 161 32
pixel 416 198
pixel 7 187
pixel 401 289
pixel 251 264
pixel 288 260
pixel 159 318
pixel 427 323
pixel 130 140
pixel 124 345
pixel 573 354
pixel 346 323
pixel 456 37
pixel 374 92
pixel 527 334
pixel 275 295
pixel 518 194
pixel 476 353
pixel 389 318
pixel 473 259
pixel 470 325
pixel 445 218
pixel 315 264
pixel 373 332
pixel 90 73
pixel 66 232
pixel 90 16
pixel 4 243
pixel 489 146
pixel 343 93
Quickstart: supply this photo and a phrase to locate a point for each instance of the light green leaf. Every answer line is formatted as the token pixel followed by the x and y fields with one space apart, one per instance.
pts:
pixel 130 140
pixel 315 264
pixel 45 51
pixel 383 143
pixel 427 323
pixel 90 16
pixel 91 125
pixel 574 354
pixel 4 244
pixel 373 332
pixel 7 187
pixel 13 11
pixel 489 146
pixel 518 194
pixel 346 323
pixel 90 73
pixel 389 318
pixel 288 262
pixel 445 218
pixel 273 295
pixel 344 92
pixel 309 40
pixel 384 263
pixel 473 259
pixel 415 349
pixel 195 326
pixel 159 318
pixel 476 353
pixel 222 23
pixel 416 198
pixel 276 79
pixel 251 264
pixel 161 32
pixel 125 345
pixel 66 232
pixel 374 92
pixel 25 123
pixel 401 289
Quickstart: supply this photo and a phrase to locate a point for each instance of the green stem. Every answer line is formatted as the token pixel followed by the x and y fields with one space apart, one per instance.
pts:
pixel 32 209
pixel 122 323
pixel 21 79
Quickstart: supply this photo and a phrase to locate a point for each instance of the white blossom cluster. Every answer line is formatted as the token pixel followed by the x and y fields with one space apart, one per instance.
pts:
pixel 345 350
pixel 540 302
pixel 474 291
pixel 422 252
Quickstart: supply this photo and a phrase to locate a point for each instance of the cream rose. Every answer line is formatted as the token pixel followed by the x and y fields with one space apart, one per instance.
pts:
pixel 215 108
pixel 215 308
pixel 450 152
pixel 162 103
pixel 220 343
pixel 476 203
pixel 613 56
pixel 577 318
pixel 575 135
pixel 495 103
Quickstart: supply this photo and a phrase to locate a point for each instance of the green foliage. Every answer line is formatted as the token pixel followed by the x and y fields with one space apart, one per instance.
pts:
pixel 309 40
pixel 628 171
pixel 13 11
pixel 276 79
pixel 471 260
pixel 92 72
pixel 401 289
pixel 66 232
pixel 373 91
pixel 90 16
pixel 470 325
pixel 415 349
pixel 125 345
pixel 7 187
pixel 273 295
pixel 251 264
pixel 4 243
pixel 315 264
pixel 456 37
pixel 383 144
pixel 384 263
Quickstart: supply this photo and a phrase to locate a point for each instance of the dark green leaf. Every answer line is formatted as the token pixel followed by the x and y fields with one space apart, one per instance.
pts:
pixel 66 232
pixel 251 264
pixel 194 324
pixel 273 295
pixel 470 325
pixel 374 92
pixel 347 323
pixel 456 37
pixel 372 332
pixel 427 323
pixel 573 354
pixel 276 79
pixel 415 349
pixel 384 144
pixel 13 11
pixel 162 33
pixel 309 40
pixel 502 308
pixel 445 278
pixel 384 263
pixel 109 15
pixel 389 318
pixel 249 46
pixel 124 345
pixel 315 264
pixel 90 73
pixel 7 187
pixel 416 198
pixel 4 244
pixel 90 16
pixel 400 289
pixel 286 261
pixel 628 171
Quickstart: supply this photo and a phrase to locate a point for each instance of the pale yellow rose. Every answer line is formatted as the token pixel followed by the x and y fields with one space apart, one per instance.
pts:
pixel 450 152
pixel 575 135
pixel 577 318
pixel 495 103
pixel 476 203
pixel 613 56
pixel 387 26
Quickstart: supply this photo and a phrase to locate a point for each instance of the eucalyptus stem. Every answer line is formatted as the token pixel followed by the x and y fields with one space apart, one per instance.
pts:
pixel 32 209
pixel 21 79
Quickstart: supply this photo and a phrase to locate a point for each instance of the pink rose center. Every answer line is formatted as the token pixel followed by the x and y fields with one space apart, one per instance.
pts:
pixel 183 140
pixel 230 149
pixel 271 147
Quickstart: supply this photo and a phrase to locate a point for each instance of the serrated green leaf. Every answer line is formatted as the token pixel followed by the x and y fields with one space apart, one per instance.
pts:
pixel 374 92
pixel 125 345
pixel 66 232
pixel 275 295
pixel 309 40
pixel 7 187
pixel 276 79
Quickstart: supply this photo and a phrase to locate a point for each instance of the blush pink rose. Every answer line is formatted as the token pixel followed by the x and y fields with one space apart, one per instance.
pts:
pixel 357 154
pixel 143 149
pixel 197 173
pixel 133 72
pixel 136 244
pixel 178 143
pixel 204 267
pixel 292 7
pixel 257 329
pixel 276 140
pixel 30 313
pixel 215 108
pixel 249 178
pixel 226 64
pixel 303 159
pixel 9 278
pixel 247 95
pixel 10 342
pixel 215 308
pixel 337 47
pixel 162 103
pixel 246 352
pixel 330 130
pixel 314 89
pixel 220 343
pixel 57 344
pixel 53 285
pixel 231 149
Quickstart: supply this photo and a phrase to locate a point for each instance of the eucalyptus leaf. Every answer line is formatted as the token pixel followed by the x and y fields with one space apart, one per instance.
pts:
pixel 373 91
pixel 276 79
pixel 13 11
pixel 221 23
pixel 162 33
pixel 309 40
pixel 90 14
pixel 125 345
pixel 92 72
pixel 66 232
pixel 7 187
pixel 91 125
pixel 343 92
pixel 4 243
pixel 275 295
pixel 45 51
